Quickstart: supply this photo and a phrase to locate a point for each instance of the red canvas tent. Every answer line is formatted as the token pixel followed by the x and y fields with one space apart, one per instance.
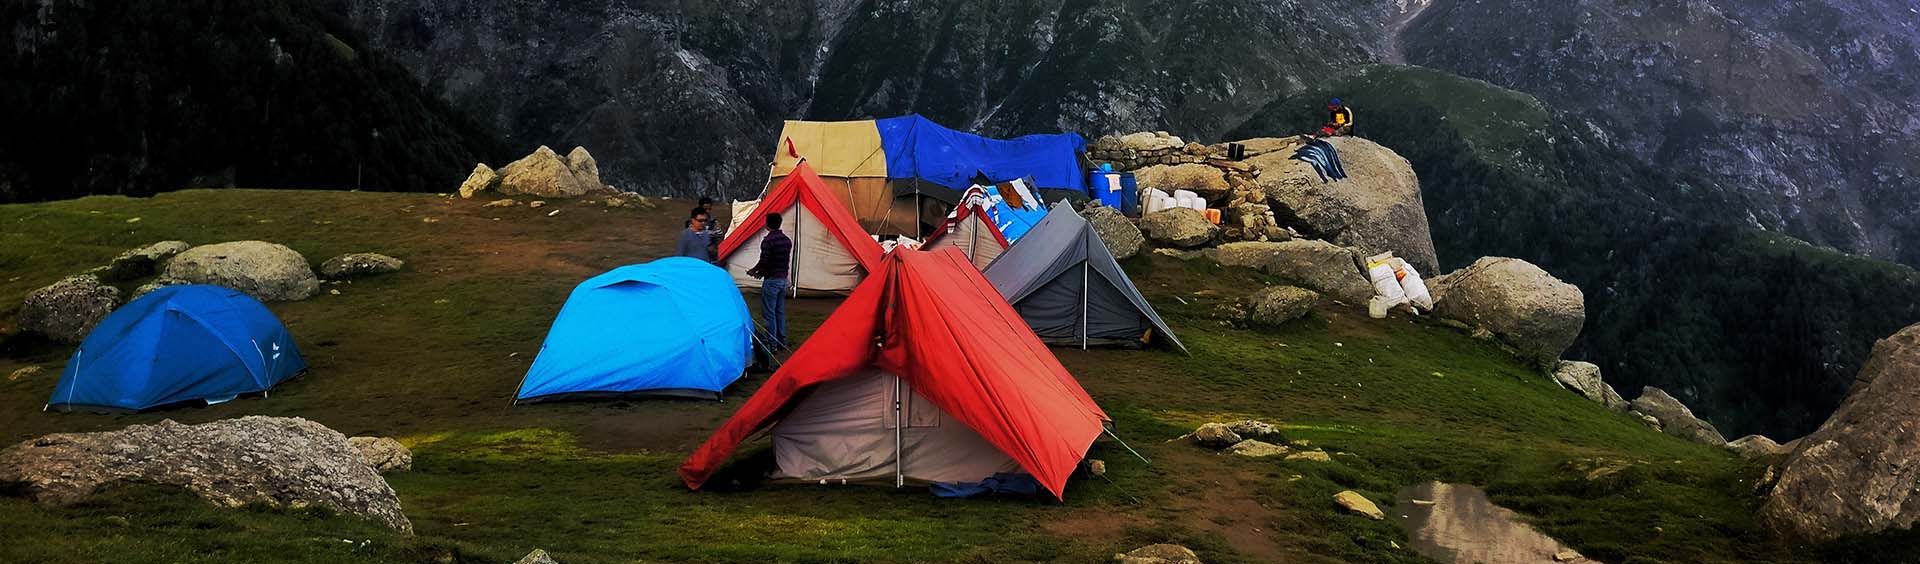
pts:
pixel 970 228
pixel 831 253
pixel 931 320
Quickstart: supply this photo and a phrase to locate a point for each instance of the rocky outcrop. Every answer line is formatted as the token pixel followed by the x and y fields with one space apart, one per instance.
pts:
pixel 1674 417
pixel 69 309
pixel 1376 209
pixel 383 454
pixel 1858 472
pixel 276 461
pixel 1314 265
pixel 1122 238
pixel 482 179
pixel 1584 378
pixel 358 265
pixel 585 169
pixel 1358 504
pixel 1143 149
pixel 266 271
pixel 1158 554
pixel 1251 428
pixel 1525 307
pixel 1277 305
pixel 544 174
pixel 1179 227
pixel 1214 435
pixel 1756 446
pixel 1207 181
pixel 139 262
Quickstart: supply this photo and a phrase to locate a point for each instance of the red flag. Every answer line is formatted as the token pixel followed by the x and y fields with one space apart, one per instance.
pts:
pixel 790 150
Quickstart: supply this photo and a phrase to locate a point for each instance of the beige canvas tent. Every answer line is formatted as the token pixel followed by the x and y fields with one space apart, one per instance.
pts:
pixel 831 254
pixel 971 230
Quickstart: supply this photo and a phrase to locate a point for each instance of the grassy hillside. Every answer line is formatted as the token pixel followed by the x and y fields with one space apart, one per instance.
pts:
pixel 1756 335
pixel 432 354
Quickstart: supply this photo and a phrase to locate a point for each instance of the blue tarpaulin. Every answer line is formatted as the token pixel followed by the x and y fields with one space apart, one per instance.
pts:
pixel 1003 483
pixel 674 326
pixel 916 147
pixel 178 344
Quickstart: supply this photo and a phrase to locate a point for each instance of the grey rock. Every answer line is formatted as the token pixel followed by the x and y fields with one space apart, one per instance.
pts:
pixel 383 454
pixel 69 309
pixel 1256 449
pixel 538 556
pixel 155 284
pixel 544 174
pixel 266 271
pixel 1276 305
pixel 1756 446
pixel 1674 417
pixel 1158 554
pixel 1310 456
pixel 1122 238
pixel 276 461
pixel 585 169
pixel 1214 435
pixel 1857 473
pixel 1179 227
pixel 1248 428
pixel 1358 504
pixel 139 262
pixel 1315 265
pixel 1584 378
pixel 1377 209
pixel 357 265
pixel 482 179
pixel 1207 181
pixel 1521 304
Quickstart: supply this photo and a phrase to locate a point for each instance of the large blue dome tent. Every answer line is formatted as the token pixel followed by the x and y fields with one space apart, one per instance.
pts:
pixel 178 344
pixel 671 327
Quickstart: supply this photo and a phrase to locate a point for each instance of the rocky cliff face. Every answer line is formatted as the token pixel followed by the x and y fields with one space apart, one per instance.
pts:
pixel 1808 110
pixel 687 98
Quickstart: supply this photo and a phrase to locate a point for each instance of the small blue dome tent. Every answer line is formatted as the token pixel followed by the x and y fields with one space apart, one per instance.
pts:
pixel 178 344
pixel 671 327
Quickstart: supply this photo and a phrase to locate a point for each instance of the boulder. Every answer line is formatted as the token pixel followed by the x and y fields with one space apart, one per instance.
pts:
pixel 1358 504
pixel 267 271
pixel 1756 446
pixel 1674 417
pixel 1214 435
pixel 1584 378
pixel 276 461
pixel 1253 428
pixel 67 310
pixel 1207 181
pixel 1376 209
pixel 1859 473
pixel 1158 554
pixel 585 168
pixel 1315 265
pixel 1122 238
pixel 543 174
pixel 1525 307
pixel 383 454
pixel 139 262
pixel 357 265
pixel 1179 227
pixel 1256 449
pixel 1276 305
pixel 538 556
pixel 481 180
pixel 154 284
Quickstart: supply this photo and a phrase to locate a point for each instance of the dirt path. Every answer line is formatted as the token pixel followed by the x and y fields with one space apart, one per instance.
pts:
pixel 1409 10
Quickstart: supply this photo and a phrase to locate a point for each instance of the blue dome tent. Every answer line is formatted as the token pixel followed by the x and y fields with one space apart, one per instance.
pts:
pixel 178 344
pixel 671 327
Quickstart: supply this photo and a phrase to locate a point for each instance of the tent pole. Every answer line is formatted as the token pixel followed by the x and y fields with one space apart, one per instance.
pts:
pixel 1083 305
pixel 899 472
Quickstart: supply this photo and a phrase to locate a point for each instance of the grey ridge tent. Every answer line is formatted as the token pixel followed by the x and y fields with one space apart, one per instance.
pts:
pixel 1066 284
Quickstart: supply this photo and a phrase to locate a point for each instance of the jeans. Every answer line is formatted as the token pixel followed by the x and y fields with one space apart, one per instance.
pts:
pixel 773 309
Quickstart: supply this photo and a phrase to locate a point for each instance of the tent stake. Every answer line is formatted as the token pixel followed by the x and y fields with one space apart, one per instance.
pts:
pixel 1123 444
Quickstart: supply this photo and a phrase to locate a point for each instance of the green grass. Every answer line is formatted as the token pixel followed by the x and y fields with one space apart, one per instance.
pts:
pixel 432 354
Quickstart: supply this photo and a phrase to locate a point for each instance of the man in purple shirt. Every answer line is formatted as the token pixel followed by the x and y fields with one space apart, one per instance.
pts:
pixel 776 251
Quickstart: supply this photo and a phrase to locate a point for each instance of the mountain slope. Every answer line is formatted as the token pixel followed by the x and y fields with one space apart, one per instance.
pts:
pixel 141 96
pixel 1809 110
pixel 1756 332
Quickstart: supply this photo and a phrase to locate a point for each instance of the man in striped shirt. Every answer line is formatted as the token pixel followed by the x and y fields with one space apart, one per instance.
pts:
pixel 776 252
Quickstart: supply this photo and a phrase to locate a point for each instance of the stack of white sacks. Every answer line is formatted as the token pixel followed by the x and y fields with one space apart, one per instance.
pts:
pixel 1157 200
pixel 1395 282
